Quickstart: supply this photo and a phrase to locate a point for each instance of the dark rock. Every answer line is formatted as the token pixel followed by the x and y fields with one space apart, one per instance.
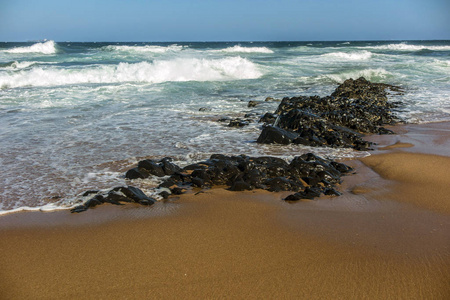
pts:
pixel 168 167
pixel 92 203
pixel 164 194
pixel 177 191
pixel 355 108
pixel 90 192
pixel 331 192
pixel 152 167
pixel 135 173
pixel 279 184
pixel 276 135
pixel 252 103
pixel 240 186
pixel 78 209
pixel 308 175
pixel 250 115
pixel 116 196
pixel 268 118
pixel 238 123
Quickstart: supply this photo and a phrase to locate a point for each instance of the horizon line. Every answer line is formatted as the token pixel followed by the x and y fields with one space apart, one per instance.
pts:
pixel 230 41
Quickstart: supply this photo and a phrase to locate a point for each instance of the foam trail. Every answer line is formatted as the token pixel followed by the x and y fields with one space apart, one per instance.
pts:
pixel 181 69
pixel 43 208
pixel 48 47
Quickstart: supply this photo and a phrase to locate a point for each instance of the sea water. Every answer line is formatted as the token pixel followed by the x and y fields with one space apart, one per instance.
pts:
pixel 76 116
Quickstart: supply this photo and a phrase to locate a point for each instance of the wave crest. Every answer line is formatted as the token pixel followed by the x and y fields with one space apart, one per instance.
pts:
pixel 192 69
pixel 48 47
pixel 240 49
pixel 375 75
pixel 406 47
pixel 361 55
pixel 148 48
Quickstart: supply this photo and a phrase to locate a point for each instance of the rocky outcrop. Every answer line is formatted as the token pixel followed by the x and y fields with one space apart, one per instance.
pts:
pixel 115 196
pixel 355 108
pixel 308 175
pixel 242 172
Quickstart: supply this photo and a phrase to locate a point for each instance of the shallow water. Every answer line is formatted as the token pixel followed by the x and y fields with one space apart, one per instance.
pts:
pixel 75 116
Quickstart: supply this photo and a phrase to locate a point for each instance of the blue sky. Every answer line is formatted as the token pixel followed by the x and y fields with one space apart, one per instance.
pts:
pixel 232 20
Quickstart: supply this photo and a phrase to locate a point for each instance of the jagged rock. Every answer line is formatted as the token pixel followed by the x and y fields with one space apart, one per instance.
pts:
pixel 276 135
pixel 268 118
pixel 305 174
pixel 116 196
pixel 149 167
pixel 355 108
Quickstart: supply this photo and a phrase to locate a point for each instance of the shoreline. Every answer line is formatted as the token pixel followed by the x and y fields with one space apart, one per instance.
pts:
pixel 387 236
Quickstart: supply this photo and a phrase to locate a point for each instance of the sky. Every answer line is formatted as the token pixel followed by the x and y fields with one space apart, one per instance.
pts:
pixel 224 20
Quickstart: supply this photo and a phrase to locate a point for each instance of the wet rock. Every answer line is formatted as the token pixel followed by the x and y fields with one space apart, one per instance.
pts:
pixel 276 135
pixel 135 173
pixel 149 167
pixel 268 118
pixel 307 174
pixel 238 123
pixel 116 196
pixel 252 103
pixel 240 186
pixel 355 108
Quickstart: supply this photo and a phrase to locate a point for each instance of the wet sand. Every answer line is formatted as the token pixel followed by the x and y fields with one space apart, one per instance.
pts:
pixel 386 237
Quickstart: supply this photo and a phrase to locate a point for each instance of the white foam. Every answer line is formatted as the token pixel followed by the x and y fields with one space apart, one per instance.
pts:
pixel 17 65
pixel 406 47
pixel 48 47
pixel 240 49
pixel 351 56
pixel 180 69
pixel 43 208
pixel 370 74
pixel 147 48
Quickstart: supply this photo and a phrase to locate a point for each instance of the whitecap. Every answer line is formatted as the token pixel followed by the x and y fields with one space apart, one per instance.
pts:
pixel 179 69
pixel 407 47
pixel 144 49
pixel 48 47
pixel 361 55
pixel 240 49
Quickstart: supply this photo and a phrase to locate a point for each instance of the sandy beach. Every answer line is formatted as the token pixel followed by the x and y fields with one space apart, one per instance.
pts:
pixel 386 237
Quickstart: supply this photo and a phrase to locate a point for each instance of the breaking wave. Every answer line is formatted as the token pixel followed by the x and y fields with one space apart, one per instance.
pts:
pixel 187 69
pixel 240 49
pixel 375 75
pixel 148 48
pixel 48 47
pixel 406 47
pixel 362 55
pixel 17 65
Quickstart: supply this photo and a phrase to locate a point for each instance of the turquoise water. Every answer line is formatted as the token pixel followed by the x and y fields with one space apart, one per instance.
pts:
pixel 73 116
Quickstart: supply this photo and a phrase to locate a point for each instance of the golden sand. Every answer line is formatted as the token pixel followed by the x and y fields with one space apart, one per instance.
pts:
pixel 387 240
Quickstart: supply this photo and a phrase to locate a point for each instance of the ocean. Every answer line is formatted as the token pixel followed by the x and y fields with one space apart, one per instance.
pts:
pixel 76 116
